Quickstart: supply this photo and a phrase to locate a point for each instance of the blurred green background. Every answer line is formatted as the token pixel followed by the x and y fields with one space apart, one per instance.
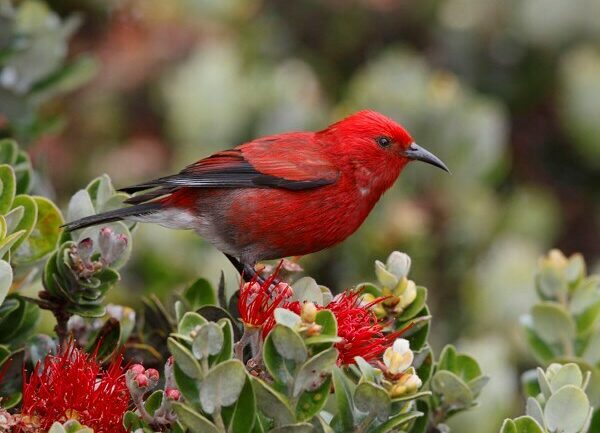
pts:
pixel 507 93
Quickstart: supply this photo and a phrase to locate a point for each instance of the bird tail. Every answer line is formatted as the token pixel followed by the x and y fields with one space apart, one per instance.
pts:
pixel 113 215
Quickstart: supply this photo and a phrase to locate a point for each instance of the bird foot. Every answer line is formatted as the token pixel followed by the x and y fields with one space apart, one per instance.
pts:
pixel 247 272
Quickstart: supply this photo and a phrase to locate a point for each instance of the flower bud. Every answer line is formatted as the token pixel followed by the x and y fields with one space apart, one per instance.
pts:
pixel 309 312
pixel 173 394
pixel 398 264
pixel 385 277
pixel 555 259
pixel 399 357
pixel 152 374
pixel 111 245
pixel 141 380
pixel 407 384
pixel 409 294
pixel 85 248
pixel 137 369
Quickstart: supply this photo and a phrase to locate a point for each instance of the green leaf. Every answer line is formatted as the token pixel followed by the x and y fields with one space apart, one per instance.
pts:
pixel 187 385
pixel 367 370
pixel 222 385
pixel 423 363
pixel 551 284
pixel 326 319
pixel 43 238
pixel 328 334
pixel 208 340
pixel 307 289
pixel 552 322
pixel 288 343
pixel 535 411
pixel 567 410
pixel 8 151
pixel 7 243
pixel 369 288
pixel 453 391
pixel 189 323
pixel 199 294
pixel 153 402
pixel 586 321
pixel 314 371
pixel 8 188
pixel 466 367
pixel 476 385
pixel 12 317
pixel 288 318
pixel 591 352
pixel 271 403
pixel 541 350
pixel 396 421
pixel 29 219
pixel 131 421
pixel 447 359
pixel 543 383
pixel 80 206
pixel 508 426
pixel 243 418
pixel 569 374
pixel 419 332
pixel 3 227
pixel 184 359
pixel 23 173
pixel 343 397
pixel 6 278
pixel 526 424
pixel 274 362
pixel 214 313
pixel 227 347
pixel 372 399
pixel 311 402
pixel 584 295
pixel 192 419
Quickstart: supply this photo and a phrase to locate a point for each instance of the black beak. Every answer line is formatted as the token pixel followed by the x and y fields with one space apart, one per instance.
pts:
pixel 418 153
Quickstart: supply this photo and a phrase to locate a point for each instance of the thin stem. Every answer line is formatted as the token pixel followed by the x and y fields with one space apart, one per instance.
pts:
pixel 219 420
pixel 62 317
pixel 204 365
pixel 238 348
pixel 255 345
pixel 139 404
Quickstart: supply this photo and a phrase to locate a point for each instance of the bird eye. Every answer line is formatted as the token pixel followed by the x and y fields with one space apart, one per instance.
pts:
pixel 383 141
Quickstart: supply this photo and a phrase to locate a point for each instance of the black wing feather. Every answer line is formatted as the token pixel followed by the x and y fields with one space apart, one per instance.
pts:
pixel 241 175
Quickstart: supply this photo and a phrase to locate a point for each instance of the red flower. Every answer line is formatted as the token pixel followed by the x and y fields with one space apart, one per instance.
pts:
pixel 360 330
pixel 73 385
pixel 257 301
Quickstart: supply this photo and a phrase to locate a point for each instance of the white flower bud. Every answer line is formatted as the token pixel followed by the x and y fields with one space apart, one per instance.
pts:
pixel 399 357
pixel 409 295
pixel 398 264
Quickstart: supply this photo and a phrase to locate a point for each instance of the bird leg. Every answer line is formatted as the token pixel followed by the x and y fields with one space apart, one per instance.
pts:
pixel 247 272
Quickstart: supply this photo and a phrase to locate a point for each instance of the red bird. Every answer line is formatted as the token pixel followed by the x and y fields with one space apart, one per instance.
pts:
pixel 283 195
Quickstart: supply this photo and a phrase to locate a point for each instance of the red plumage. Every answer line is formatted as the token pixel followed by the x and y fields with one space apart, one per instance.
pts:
pixel 281 195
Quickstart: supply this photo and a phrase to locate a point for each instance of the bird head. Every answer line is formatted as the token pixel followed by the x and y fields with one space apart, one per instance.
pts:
pixel 369 135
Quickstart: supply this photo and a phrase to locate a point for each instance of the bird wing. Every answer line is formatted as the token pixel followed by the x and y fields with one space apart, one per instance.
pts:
pixel 290 162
